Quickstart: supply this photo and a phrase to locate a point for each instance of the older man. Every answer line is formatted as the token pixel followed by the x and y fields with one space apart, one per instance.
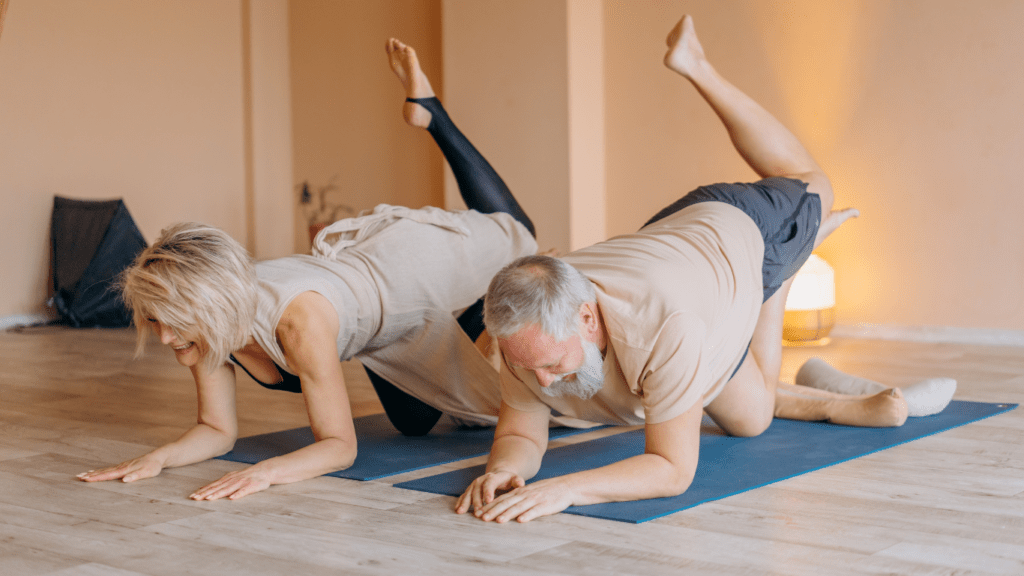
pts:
pixel 657 327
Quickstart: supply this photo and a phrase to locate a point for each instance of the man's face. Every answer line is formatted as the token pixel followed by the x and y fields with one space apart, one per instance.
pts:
pixel 573 366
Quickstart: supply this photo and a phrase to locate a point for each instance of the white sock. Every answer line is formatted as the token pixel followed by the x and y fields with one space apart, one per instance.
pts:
pixel 925 398
pixel 929 396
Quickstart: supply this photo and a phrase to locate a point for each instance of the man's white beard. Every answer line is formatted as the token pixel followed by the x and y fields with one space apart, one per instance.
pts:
pixel 586 381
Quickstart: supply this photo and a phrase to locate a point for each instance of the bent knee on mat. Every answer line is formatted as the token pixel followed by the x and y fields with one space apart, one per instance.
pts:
pixel 744 424
pixel 748 427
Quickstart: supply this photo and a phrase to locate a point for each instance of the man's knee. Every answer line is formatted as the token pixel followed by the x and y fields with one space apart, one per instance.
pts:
pixel 753 425
pixel 745 423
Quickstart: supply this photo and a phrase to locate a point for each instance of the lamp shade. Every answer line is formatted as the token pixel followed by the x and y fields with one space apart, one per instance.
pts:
pixel 810 306
pixel 814 287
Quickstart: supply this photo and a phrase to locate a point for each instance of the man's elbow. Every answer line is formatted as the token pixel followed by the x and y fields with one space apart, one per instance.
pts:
pixel 679 481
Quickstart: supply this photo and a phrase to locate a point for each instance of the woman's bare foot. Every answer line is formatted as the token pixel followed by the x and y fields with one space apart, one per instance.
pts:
pixel 406 66
pixel 684 50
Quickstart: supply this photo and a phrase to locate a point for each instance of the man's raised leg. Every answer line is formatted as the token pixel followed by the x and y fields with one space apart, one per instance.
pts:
pixel 749 402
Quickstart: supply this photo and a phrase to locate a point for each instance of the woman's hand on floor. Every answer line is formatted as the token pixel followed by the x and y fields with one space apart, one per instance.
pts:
pixel 235 485
pixel 136 469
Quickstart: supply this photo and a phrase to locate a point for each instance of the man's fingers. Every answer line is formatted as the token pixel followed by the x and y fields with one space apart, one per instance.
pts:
pixel 500 505
pixel 477 496
pixel 462 505
pixel 538 508
pixel 491 485
pixel 513 512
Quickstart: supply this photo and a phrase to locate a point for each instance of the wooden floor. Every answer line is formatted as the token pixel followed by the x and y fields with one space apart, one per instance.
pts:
pixel 74 400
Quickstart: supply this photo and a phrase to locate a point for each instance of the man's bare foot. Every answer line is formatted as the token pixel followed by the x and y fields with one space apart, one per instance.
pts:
pixel 881 410
pixel 406 66
pixel 684 50
pixel 832 222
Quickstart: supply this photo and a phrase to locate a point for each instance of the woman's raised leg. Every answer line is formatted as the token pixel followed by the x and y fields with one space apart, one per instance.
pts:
pixel 480 186
pixel 482 190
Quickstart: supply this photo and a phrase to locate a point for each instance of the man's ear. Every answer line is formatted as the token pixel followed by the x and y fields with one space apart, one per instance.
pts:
pixel 590 321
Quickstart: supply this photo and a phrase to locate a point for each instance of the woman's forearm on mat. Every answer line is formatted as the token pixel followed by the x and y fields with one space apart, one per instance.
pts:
pixel 199 443
pixel 317 459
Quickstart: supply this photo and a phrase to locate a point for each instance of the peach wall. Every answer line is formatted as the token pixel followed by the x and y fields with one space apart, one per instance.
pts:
pixel 271 230
pixel 3 14
pixel 185 110
pixel 525 82
pixel 586 107
pixel 115 98
pixel 347 104
pixel 913 108
pixel 506 86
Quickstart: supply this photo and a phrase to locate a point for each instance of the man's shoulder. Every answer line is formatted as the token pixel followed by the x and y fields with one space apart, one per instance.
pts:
pixel 642 320
pixel 638 352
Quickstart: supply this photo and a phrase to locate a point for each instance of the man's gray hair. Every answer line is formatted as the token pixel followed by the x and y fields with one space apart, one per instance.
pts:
pixel 537 290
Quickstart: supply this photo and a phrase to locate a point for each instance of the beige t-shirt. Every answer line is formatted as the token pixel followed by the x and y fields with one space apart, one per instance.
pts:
pixel 397 279
pixel 680 299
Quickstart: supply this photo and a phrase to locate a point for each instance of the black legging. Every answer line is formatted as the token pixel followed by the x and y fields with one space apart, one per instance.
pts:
pixel 482 190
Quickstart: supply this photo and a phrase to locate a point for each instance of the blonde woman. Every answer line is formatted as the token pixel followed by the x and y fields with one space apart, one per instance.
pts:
pixel 397 288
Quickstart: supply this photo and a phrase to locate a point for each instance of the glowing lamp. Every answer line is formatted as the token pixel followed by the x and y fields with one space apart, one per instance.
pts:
pixel 810 307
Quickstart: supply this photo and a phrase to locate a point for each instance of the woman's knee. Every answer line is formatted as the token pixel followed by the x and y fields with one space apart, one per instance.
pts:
pixel 416 427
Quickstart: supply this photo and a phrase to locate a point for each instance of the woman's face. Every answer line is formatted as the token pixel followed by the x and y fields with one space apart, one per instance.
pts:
pixel 187 352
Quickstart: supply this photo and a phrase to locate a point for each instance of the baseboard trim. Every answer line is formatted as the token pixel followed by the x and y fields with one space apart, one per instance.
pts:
pixel 8 322
pixel 943 334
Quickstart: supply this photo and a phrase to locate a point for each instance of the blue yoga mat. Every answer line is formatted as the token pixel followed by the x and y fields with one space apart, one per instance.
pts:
pixel 383 451
pixel 728 465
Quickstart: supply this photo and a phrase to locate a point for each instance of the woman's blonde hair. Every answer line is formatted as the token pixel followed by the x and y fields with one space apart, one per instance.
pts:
pixel 200 283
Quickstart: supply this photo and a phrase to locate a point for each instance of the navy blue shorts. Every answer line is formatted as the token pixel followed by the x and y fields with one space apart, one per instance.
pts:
pixel 785 212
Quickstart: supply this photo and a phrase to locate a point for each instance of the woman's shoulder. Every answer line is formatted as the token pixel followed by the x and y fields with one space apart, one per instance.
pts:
pixel 308 316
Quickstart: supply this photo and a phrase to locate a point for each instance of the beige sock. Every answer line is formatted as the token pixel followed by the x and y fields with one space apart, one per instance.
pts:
pixel 925 398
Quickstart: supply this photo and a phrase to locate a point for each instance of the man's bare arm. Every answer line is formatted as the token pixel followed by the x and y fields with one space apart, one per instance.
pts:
pixel 520 440
pixel 666 468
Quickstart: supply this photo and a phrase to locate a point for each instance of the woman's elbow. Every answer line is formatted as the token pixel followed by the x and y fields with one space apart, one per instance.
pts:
pixel 343 453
